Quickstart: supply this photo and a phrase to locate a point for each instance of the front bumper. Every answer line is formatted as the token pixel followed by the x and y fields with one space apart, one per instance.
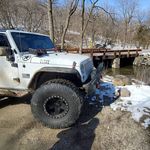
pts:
pixel 95 79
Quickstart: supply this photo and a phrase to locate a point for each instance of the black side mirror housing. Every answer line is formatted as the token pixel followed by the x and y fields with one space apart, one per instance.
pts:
pixel 9 55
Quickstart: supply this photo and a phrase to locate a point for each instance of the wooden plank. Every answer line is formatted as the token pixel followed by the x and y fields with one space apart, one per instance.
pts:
pixel 102 52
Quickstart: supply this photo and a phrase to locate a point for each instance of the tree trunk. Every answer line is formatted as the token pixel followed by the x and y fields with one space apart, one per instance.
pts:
pixel 72 9
pixel 93 32
pixel 50 18
pixel 65 31
pixel 82 26
pixel 126 33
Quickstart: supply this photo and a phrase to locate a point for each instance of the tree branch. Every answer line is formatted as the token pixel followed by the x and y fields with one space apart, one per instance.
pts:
pixel 110 14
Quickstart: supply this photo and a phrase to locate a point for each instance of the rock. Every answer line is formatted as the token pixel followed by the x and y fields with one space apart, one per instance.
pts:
pixel 138 61
pixel 124 92
pixel 142 60
pixel 117 92
pixel 148 62
pixel 120 80
pixel 116 63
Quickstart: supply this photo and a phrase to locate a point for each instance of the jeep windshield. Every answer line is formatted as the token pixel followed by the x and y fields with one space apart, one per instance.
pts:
pixel 26 41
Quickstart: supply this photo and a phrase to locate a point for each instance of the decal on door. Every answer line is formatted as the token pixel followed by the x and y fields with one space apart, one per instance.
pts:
pixel 43 61
pixel 26 57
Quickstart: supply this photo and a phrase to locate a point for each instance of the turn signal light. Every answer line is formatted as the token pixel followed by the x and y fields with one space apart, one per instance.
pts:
pixel 98 85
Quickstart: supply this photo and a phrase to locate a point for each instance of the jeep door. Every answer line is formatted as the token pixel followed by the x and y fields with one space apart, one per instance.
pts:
pixel 8 71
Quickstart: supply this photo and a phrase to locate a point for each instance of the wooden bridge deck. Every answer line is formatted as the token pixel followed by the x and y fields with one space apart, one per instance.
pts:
pixel 107 53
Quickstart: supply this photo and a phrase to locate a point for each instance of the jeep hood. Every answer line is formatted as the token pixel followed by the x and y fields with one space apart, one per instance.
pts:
pixel 54 58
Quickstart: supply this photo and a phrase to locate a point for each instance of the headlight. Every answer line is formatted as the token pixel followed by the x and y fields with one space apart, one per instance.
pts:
pixel 82 68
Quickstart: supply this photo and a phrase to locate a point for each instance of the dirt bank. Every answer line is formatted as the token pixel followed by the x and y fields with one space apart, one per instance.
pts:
pixel 97 129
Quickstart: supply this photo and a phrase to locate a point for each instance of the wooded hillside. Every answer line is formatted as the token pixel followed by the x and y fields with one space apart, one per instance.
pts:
pixel 78 22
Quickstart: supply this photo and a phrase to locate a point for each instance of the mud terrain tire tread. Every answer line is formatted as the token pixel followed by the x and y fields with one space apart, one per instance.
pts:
pixel 55 87
pixel 69 84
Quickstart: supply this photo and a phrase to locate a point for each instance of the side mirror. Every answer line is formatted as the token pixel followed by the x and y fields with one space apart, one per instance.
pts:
pixel 6 51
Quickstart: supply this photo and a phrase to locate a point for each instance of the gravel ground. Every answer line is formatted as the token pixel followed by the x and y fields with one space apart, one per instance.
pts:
pixel 98 128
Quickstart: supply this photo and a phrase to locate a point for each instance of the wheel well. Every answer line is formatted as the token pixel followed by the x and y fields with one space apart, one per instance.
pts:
pixel 43 77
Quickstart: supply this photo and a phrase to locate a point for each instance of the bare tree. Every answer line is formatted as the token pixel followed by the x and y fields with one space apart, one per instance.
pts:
pixel 82 25
pixel 32 15
pixel 141 16
pixel 50 18
pixel 27 15
pixel 106 22
pixel 85 24
pixel 96 22
pixel 90 14
pixel 71 11
pixel 127 9
pixel 6 14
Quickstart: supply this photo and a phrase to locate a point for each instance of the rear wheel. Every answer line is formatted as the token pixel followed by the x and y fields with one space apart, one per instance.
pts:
pixel 56 105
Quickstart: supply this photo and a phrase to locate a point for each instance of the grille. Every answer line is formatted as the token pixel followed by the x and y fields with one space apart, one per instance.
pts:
pixel 88 66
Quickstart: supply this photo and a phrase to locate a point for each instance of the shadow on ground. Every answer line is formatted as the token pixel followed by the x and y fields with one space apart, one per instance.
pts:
pixel 6 101
pixel 106 130
pixel 104 96
pixel 77 137
pixel 82 134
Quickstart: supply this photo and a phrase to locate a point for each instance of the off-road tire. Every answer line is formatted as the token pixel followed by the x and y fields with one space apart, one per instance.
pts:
pixel 49 95
pixel 80 94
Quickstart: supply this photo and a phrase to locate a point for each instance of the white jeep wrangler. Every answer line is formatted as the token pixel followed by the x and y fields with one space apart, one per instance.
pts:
pixel 29 63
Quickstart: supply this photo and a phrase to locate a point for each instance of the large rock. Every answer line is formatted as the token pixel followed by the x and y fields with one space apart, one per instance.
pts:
pixel 116 63
pixel 142 60
pixel 120 80
pixel 138 61
pixel 124 92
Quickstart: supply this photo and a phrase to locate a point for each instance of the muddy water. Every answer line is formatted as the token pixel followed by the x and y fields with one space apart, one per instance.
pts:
pixel 140 73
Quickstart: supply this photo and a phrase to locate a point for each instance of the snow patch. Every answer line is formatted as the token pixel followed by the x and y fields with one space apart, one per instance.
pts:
pixel 121 47
pixel 145 52
pixel 146 123
pixel 138 103
pixel 73 32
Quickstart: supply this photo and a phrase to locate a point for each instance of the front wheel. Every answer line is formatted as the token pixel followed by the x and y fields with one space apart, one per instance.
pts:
pixel 56 105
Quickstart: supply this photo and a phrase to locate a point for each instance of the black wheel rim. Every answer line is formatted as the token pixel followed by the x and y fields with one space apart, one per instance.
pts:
pixel 56 107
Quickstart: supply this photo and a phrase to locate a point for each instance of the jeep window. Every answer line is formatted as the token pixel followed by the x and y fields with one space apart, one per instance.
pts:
pixel 4 41
pixel 25 41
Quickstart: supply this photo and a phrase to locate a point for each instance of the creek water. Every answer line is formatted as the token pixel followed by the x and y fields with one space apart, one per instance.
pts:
pixel 140 73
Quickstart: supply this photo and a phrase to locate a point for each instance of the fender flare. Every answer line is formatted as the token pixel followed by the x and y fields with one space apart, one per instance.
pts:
pixel 69 71
pixel 60 70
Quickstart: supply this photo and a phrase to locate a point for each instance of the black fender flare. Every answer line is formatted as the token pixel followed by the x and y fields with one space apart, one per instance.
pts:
pixel 59 70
